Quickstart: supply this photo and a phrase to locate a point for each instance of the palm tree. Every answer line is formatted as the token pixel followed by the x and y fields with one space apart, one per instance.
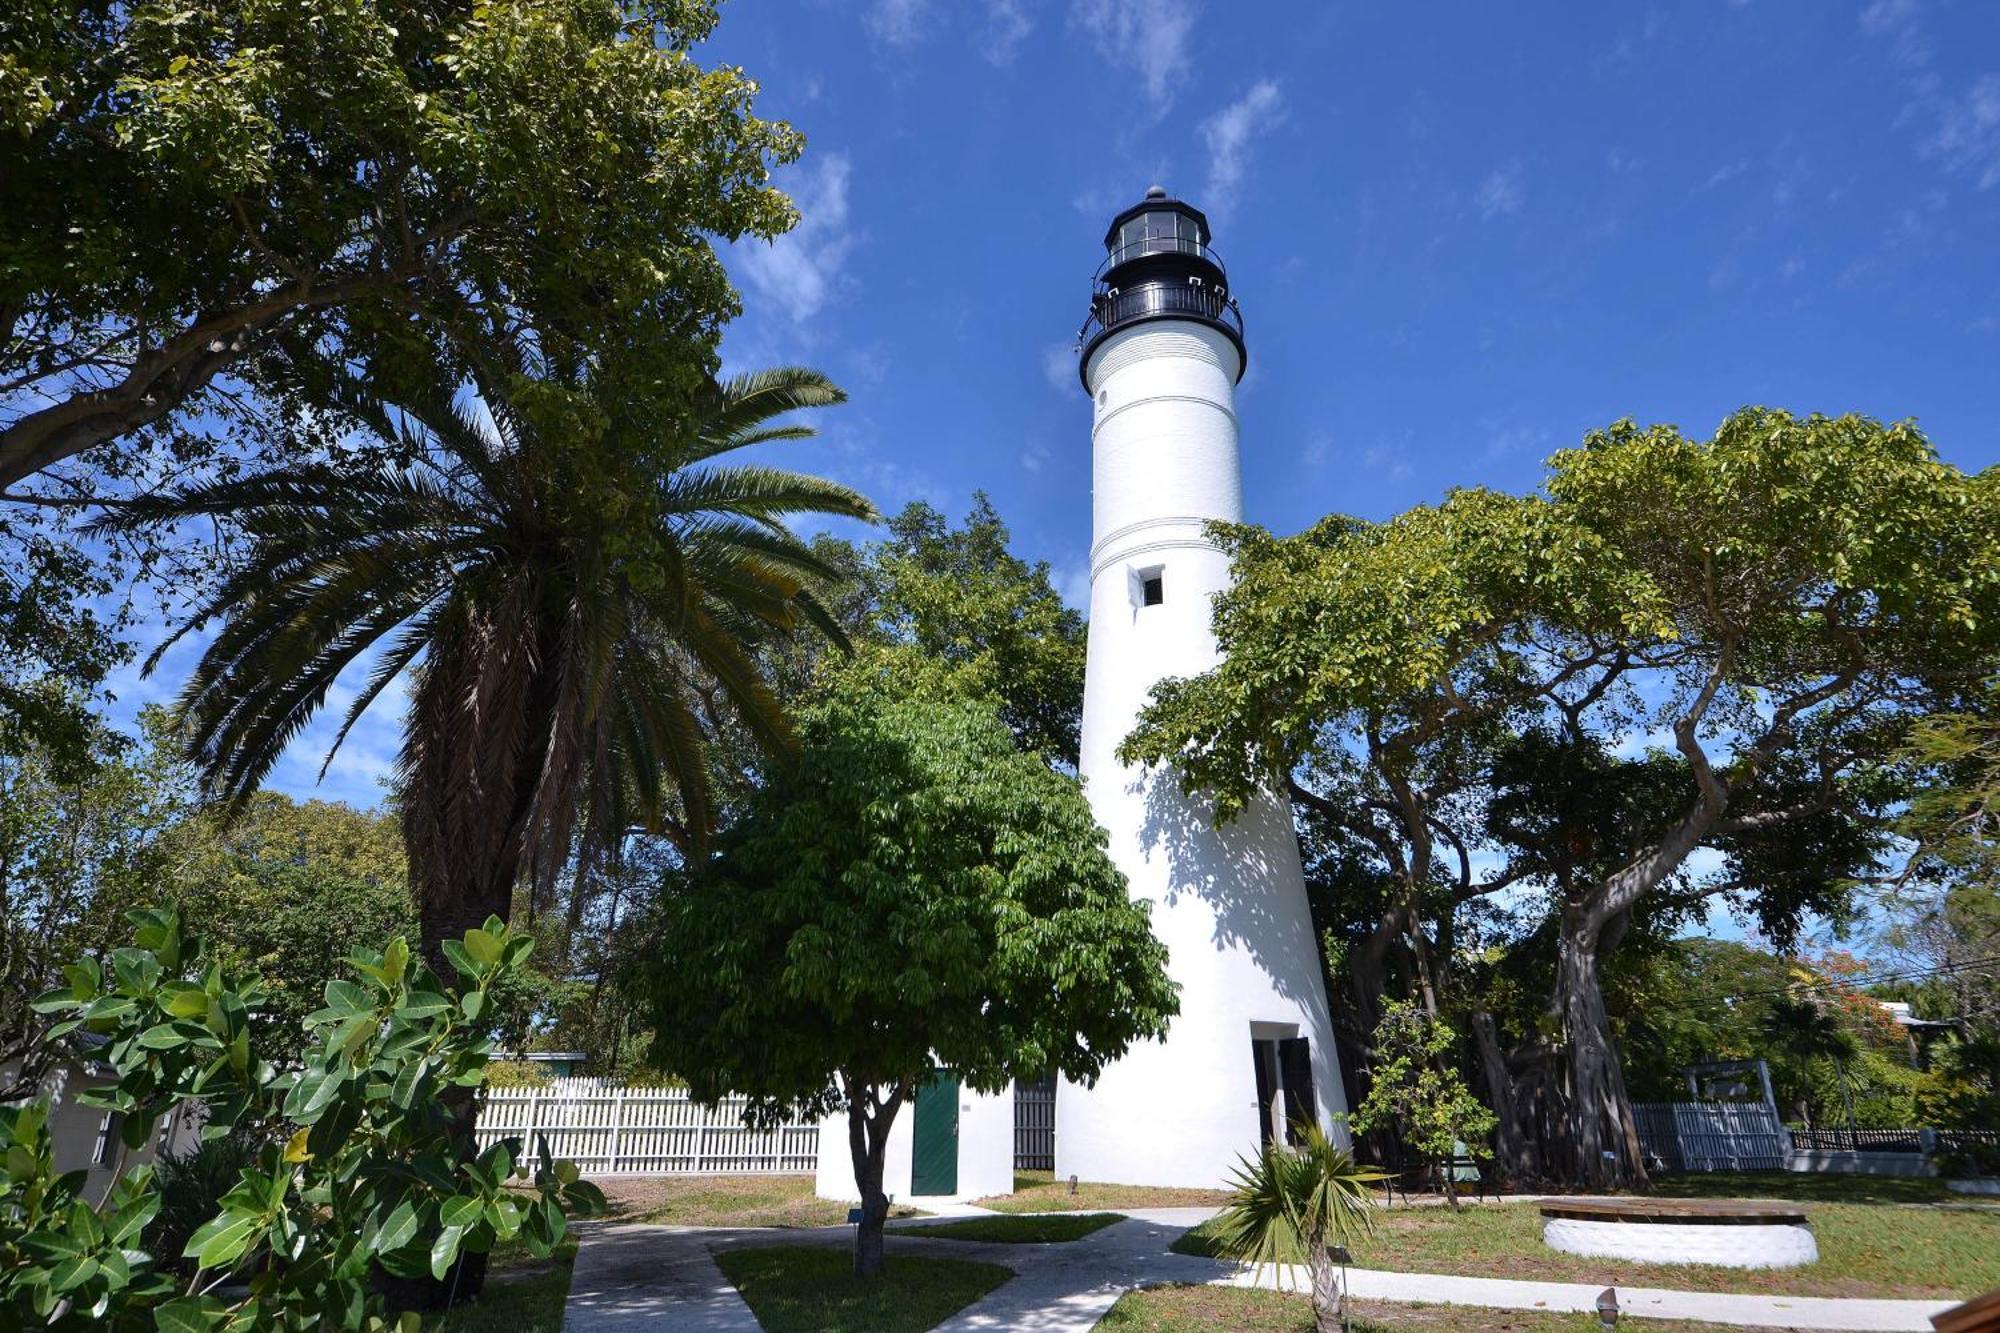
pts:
pixel 1291 1206
pixel 557 603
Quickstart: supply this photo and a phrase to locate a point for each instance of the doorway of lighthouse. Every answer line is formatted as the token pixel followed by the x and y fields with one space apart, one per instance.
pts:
pixel 934 1137
pixel 1284 1083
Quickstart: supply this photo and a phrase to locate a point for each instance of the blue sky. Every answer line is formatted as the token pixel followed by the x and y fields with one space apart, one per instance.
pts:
pixel 1461 235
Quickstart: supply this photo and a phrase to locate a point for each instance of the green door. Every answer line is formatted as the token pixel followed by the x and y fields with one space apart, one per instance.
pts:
pixel 934 1137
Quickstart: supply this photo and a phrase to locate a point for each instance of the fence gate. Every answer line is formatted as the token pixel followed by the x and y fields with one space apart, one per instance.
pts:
pixel 1713 1136
pixel 611 1129
pixel 1035 1125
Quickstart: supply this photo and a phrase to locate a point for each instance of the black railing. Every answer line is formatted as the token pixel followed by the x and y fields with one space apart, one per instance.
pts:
pixel 1113 307
pixel 1157 245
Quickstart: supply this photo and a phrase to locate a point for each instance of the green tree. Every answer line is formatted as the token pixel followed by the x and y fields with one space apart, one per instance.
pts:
pixel 1778 603
pixel 557 603
pixel 1415 1091
pixel 961 597
pixel 85 826
pixel 292 888
pixel 282 193
pixel 917 895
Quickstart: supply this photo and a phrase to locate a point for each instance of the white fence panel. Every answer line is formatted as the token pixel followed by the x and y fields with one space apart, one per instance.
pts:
pixel 611 1129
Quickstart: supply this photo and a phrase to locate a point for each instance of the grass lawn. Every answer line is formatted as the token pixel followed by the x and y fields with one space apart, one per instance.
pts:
pixel 1037 1229
pixel 726 1201
pixel 1041 1192
pixel 1233 1310
pixel 1865 1250
pixel 523 1294
pixel 810 1289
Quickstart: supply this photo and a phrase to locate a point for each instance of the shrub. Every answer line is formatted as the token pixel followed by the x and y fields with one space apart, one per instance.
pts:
pixel 191 1187
pixel 364 1176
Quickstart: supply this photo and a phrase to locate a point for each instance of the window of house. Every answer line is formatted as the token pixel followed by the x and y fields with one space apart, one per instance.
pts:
pixel 108 1130
pixel 1152 589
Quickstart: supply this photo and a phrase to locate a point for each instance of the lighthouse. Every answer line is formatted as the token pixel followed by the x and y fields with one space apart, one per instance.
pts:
pixel 1251 1055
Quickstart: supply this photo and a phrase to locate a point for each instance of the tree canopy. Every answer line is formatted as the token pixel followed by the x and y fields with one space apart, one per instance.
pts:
pixel 275 195
pixel 917 894
pixel 1758 617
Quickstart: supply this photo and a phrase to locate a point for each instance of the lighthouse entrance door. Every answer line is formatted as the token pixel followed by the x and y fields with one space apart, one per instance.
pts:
pixel 1284 1085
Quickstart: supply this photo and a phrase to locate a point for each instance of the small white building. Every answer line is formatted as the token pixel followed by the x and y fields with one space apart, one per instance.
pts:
pixel 949 1144
pixel 88 1138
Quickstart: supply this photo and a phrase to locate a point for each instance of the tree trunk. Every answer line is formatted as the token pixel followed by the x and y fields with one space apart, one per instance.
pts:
pixel 868 1122
pixel 1604 1138
pixel 1515 1157
pixel 1326 1292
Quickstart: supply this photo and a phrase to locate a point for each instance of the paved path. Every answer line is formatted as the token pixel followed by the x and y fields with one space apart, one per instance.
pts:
pixel 665 1278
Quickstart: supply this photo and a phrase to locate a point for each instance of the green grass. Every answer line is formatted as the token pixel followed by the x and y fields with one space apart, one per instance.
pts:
pixel 812 1289
pixel 1865 1250
pixel 1041 1192
pixel 1028 1229
pixel 727 1201
pixel 523 1294
pixel 1234 1310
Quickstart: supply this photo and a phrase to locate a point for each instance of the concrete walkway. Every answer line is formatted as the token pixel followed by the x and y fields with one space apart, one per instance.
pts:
pixel 665 1278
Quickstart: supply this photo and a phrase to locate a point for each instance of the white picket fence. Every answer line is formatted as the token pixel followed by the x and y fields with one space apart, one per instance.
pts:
pixel 1713 1136
pixel 611 1129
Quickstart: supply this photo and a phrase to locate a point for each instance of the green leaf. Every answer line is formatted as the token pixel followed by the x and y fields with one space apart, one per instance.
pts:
pixel 221 1241
pixel 189 1314
pixel 473 1002
pixel 399 1230
pixel 461 1211
pixel 484 947
pixel 444 1250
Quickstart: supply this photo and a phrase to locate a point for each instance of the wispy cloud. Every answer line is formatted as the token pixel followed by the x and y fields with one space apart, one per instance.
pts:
pixel 799 271
pixel 1503 191
pixel 1149 37
pixel 1896 23
pixel 1726 173
pixel 1007 26
pixel 1034 458
pixel 1968 134
pixel 1229 134
pixel 896 23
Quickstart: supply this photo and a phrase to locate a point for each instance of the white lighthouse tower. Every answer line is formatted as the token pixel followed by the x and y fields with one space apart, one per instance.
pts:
pixel 1251 1053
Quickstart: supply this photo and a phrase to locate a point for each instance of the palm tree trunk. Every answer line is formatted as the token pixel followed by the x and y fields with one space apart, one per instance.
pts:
pixel 1326 1293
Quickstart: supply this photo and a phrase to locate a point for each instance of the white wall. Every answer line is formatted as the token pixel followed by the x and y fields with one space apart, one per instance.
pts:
pixel 1228 903
pixel 985 1152
pixel 73 1129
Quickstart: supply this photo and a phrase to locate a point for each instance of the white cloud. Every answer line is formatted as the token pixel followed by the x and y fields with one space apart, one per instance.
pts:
pixel 1896 22
pixel 1229 134
pixel 1726 173
pixel 1501 192
pixel 1968 135
pixel 1149 37
pixel 897 23
pixel 1034 458
pixel 1007 26
pixel 800 270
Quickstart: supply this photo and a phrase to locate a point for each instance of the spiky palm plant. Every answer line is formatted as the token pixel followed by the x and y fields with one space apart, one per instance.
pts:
pixel 1291 1205
pixel 556 600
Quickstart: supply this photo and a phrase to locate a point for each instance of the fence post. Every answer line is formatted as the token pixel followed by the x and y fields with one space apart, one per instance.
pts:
pixel 617 1121
pixel 529 1130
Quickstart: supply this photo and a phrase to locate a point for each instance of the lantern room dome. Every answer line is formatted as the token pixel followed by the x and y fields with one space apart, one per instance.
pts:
pixel 1158 265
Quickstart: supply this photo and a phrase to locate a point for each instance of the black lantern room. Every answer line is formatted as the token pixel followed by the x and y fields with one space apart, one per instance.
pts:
pixel 1158 265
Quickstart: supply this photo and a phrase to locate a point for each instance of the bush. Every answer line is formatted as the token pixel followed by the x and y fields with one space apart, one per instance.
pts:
pixel 368 1172
pixel 191 1188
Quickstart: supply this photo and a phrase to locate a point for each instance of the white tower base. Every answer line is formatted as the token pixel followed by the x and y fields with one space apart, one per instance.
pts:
pixel 1229 903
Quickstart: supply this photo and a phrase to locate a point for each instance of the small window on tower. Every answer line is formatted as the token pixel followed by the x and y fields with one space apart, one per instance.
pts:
pixel 1151 589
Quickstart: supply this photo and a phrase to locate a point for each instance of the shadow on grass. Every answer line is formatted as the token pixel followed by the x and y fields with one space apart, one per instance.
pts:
pixel 809 1289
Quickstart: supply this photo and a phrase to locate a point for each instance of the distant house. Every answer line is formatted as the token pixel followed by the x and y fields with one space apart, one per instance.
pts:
pixel 1920 1032
pixel 88 1138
